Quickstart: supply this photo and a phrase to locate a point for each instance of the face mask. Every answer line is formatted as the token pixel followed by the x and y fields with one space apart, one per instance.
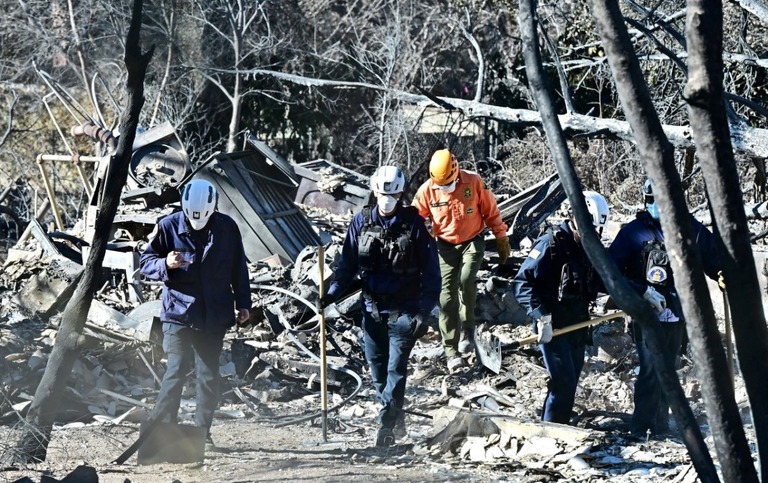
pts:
pixel 653 210
pixel 449 188
pixel 386 204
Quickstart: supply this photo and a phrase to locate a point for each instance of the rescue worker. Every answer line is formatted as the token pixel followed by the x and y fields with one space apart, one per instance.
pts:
pixel 641 256
pixel 390 247
pixel 198 254
pixel 556 285
pixel 459 207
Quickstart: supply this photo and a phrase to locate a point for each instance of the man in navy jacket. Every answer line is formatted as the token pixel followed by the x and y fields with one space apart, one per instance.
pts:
pixel 390 247
pixel 556 284
pixel 198 254
pixel 640 255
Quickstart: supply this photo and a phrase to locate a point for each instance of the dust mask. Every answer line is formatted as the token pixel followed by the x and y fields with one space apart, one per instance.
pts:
pixel 386 204
pixel 653 210
pixel 449 188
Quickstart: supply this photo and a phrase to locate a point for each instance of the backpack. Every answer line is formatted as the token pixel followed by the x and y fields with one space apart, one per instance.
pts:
pixel 656 266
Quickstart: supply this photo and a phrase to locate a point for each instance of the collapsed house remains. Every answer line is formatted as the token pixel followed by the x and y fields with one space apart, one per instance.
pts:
pixel 285 212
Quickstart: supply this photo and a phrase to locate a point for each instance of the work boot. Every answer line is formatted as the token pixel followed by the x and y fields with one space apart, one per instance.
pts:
pixel 385 437
pixel 399 430
pixel 455 363
pixel 467 342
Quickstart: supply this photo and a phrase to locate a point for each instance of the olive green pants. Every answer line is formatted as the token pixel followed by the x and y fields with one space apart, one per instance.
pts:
pixel 458 268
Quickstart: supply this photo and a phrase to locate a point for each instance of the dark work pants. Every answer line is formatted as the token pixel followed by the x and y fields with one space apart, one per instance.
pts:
pixel 184 345
pixel 651 408
pixel 387 347
pixel 564 359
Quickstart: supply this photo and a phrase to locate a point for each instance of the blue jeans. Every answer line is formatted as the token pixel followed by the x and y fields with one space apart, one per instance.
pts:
pixel 184 345
pixel 387 347
pixel 651 408
pixel 564 359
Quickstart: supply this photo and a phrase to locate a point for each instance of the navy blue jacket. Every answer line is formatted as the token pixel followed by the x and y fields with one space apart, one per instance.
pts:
pixel 537 284
pixel 200 295
pixel 626 250
pixel 398 289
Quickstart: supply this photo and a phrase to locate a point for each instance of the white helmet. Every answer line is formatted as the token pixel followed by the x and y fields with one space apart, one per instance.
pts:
pixel 198 201
pixel 388 180
pixel 597 207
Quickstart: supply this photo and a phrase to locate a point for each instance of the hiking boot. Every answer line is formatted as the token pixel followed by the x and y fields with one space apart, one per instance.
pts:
pixel 399 430
pixel 455 363
pixel 467 342
pixel 385 437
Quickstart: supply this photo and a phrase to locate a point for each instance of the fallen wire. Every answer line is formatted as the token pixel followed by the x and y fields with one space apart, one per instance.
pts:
pixel 296 419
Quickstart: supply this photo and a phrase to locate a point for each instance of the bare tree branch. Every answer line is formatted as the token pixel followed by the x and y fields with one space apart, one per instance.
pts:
pixel 745 138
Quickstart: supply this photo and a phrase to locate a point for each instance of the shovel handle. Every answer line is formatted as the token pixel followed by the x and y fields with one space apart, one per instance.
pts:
pixel 570 328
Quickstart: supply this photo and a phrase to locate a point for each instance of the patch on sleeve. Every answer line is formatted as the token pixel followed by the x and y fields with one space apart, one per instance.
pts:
pixel 534 254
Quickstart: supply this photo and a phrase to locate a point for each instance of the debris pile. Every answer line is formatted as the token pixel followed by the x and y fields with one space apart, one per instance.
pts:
pixel 272 372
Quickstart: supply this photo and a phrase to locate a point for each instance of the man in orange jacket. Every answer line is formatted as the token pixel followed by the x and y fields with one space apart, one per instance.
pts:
pixel 460 207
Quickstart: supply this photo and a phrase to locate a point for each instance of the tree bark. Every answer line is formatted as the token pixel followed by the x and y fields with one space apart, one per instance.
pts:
pixel 617 286
pixel 704 95
pixel 657 155
pixel 32 445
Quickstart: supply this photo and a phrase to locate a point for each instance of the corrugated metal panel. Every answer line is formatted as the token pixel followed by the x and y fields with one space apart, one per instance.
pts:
pixel 255 195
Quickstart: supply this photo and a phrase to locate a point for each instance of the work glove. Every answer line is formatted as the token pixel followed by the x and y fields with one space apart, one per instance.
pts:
pixel 328 299
pixel 656 300
pixel 544 329
pixel 502 246
pixel 721 281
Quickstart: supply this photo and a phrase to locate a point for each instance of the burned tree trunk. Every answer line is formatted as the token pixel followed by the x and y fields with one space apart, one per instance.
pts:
pixel 33 443
pixel 704 94
pixel 618 287
pixel 657 156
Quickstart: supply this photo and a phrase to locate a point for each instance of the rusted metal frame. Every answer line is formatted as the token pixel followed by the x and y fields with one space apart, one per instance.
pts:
pixel 83 177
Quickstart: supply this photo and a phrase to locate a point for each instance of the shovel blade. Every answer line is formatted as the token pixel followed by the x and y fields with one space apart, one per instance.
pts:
pixel 488 350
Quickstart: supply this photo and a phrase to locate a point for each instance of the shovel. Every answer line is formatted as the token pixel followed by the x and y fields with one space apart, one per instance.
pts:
pixel 597 320
pixel 488 350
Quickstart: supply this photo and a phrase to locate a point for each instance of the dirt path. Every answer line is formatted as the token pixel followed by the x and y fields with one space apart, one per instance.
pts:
pixel 249 451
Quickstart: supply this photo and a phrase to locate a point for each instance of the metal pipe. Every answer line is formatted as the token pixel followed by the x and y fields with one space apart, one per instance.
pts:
pixel 49 190
pixel 75 158
pixel 323 361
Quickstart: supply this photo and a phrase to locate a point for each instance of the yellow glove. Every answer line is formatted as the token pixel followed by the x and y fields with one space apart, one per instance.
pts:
pixel 502 246
pixel 721 280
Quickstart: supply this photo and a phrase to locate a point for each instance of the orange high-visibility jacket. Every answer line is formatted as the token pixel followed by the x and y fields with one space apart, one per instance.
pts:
pixel 460 216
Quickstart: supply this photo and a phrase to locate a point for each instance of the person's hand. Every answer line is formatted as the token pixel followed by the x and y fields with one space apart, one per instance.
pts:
pixel 243 315
pixel 657 301
pixel 502 246
pixel 721 281
pixel 544 328
pixel 174 259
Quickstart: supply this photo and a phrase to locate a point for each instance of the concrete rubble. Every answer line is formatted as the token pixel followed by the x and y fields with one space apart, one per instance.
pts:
pixel 475 418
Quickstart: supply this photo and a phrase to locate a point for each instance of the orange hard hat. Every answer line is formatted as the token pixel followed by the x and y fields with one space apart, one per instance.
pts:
pixel 443 168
